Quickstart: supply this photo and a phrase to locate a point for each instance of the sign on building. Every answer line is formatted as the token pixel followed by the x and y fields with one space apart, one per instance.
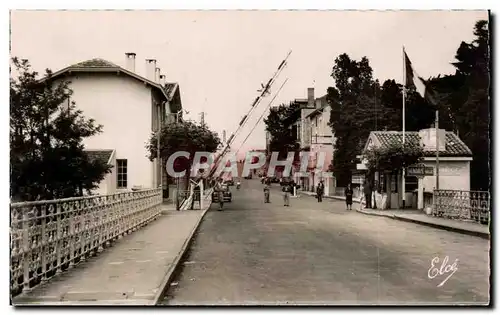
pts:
pixel 420 170
pixel 357 179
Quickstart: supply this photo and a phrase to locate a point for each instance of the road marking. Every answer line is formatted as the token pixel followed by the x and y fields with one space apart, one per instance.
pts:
pixel 116 263
pixel 143 261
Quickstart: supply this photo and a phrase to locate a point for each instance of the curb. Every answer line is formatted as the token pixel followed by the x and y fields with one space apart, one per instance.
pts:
pixel 330 197
pixel 433 225
pixel 165 284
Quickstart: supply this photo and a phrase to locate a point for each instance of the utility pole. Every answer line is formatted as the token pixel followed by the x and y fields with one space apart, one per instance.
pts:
pixel 202 118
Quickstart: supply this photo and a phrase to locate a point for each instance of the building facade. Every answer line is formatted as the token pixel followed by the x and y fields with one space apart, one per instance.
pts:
pixel 454 167
pixel 130 107
pixel 322 142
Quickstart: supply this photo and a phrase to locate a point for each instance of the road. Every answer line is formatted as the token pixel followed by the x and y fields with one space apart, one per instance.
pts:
pixel 319 253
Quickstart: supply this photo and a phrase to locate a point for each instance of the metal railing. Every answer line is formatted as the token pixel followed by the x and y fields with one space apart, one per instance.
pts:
pixel 48 237
pixel 462 205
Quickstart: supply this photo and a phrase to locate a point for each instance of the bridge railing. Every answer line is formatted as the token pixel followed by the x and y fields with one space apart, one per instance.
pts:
pixel 48 237
pixel 462 205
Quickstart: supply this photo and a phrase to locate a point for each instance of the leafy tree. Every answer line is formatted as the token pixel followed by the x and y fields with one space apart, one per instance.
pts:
pixel 465 106
pixel 182 136
pixel 355 110
pixel 392 157
pixel 279 125
pixel 47 156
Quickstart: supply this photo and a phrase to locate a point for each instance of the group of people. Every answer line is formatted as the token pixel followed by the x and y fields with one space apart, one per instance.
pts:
pixel 348 193
pixel 286 188
pixel 367 194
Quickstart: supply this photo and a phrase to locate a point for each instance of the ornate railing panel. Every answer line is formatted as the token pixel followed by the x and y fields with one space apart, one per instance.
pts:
pixel 48 237
pixel 462 205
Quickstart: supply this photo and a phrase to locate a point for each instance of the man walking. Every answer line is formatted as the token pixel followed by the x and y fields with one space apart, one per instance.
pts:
pixel 266 191
pixel 367 189
pixel 196 196
pixel 348 196
pixel 286 193
pixel 320 190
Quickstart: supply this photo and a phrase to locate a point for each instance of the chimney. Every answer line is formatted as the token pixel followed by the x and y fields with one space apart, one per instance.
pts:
pixel 310 97
pixel 130 61
pixel 428 139
pixel 151 69
pixel 157 75
pixel 162 80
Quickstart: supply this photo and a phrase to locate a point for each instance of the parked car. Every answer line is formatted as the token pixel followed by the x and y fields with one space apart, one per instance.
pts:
pixel 230 182
pixel 228 196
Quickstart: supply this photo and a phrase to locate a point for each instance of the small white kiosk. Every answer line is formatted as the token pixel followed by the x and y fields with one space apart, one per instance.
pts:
pixel 454 167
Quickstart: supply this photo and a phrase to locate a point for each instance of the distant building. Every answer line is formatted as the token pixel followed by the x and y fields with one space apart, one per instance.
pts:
pixel 322 141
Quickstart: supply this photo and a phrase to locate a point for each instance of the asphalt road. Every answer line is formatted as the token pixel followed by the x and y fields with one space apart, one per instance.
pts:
pixel 319 253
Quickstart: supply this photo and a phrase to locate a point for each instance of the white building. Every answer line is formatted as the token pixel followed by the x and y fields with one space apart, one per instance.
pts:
pixel 322 141
pixel 314 135
pixel 130 107
pixel 454 166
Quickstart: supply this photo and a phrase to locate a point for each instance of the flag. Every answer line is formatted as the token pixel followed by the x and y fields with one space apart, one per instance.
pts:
pixel 412 79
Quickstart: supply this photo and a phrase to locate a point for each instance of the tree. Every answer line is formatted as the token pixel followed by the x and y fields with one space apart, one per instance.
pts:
pixel 182 136
pixel 47 155
pixel 392 157
pixel 465 107
pixel 279 125
pixel 355 111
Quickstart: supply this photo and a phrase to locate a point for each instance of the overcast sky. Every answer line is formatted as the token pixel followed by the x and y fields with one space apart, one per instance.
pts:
pixel 220 58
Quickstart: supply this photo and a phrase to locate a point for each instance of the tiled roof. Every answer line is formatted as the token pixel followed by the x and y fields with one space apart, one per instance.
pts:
pixel 102 155
pixel 95 63
pixel 454 145
pixel 101 65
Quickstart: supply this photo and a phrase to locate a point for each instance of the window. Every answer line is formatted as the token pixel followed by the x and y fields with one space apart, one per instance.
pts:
pixel 411 183
pixel 121 173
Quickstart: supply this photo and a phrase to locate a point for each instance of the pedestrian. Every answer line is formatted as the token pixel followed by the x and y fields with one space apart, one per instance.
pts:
pixel 196 196
pixel 286 193
pixel 220 193
pixel 367 189
pixel 320 190
pixel 266 192
pixel 348 197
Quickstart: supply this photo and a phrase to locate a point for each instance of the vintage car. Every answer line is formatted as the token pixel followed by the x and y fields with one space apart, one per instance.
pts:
pixel 228 196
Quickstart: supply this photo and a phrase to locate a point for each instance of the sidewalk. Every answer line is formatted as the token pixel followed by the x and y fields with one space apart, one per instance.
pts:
pixel 418 217
pixel 463 227
pixel 136 270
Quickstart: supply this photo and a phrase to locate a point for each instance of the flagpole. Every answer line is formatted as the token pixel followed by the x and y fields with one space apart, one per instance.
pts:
pixel 404 120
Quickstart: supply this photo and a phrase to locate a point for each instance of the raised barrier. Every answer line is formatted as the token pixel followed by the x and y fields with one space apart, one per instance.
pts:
pixel 48 237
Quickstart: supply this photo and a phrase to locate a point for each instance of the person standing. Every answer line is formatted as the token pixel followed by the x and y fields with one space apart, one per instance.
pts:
pixel 196 196
pixel 266 192
pixel 286 193
pixel 320 190
pixel 367 189
pixel 220 193
pixel 348 196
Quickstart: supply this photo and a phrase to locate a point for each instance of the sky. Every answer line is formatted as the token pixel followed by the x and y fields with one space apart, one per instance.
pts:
pixel 220 58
